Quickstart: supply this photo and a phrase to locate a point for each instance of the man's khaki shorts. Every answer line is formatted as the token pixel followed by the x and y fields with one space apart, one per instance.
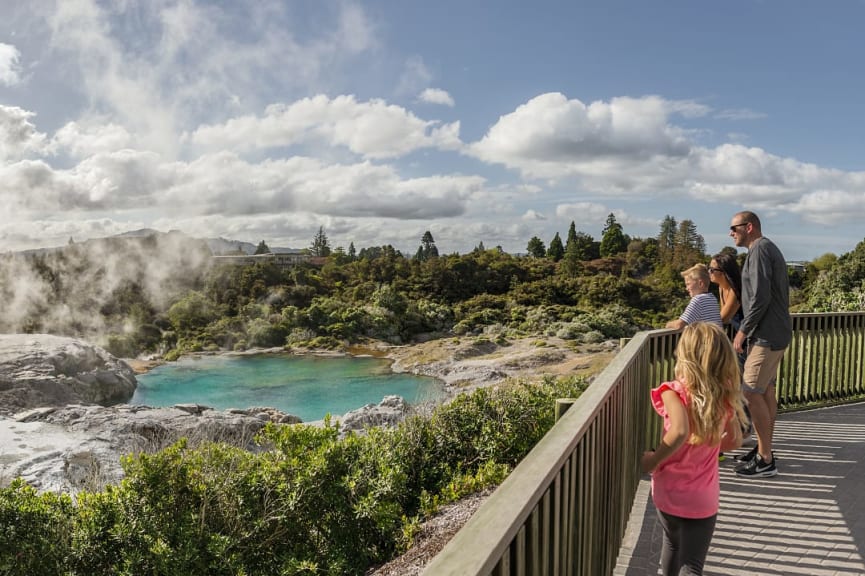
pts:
pixel 761 367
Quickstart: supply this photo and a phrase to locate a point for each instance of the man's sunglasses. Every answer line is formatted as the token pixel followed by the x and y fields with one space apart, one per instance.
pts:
pixel 734 226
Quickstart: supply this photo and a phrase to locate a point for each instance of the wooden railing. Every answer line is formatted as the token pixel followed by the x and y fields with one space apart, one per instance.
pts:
pixel 825 362
pixel 564 509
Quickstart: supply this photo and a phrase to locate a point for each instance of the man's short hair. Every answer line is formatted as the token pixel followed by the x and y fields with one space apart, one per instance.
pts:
pixel 748 216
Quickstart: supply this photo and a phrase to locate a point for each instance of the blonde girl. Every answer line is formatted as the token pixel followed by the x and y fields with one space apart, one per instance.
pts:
pixel 702 410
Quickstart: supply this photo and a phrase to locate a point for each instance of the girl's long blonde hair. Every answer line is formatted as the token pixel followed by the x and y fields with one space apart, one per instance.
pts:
pixel 706 364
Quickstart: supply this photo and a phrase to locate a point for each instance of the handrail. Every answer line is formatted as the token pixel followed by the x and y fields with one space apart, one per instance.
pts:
pixel 564 508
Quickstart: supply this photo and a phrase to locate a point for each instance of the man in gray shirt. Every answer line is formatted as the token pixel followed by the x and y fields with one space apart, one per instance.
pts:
pixel 766 331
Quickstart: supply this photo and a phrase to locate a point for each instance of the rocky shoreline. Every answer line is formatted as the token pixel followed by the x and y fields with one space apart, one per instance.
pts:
pixel 64 421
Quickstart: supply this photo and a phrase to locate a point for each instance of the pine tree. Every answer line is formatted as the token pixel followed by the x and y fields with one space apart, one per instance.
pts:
pixel 613 240
pixel 320 244
pixel 689 246
pixel 262 248
pixel 352 253
pixel 667 239
pixel 427 248
pixel 571 261
pixel 556 251
pixel 572 236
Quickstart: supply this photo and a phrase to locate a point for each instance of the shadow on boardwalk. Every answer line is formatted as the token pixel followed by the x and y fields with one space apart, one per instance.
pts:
pixel 810 519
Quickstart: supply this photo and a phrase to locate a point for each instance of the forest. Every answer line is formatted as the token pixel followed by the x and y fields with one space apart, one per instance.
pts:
pixel 162 294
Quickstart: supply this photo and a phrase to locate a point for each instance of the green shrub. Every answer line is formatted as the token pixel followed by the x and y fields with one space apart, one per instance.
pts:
pixel 308 502
pixel 35 530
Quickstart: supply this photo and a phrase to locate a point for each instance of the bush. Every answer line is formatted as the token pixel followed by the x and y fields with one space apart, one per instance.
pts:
pixel 307 503
pixel 35 530
pixel 614 321
pixel 263 334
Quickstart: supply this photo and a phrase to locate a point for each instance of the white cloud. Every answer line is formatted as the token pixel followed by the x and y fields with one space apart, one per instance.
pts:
pixel 736 173
pixel 552 137
pixel 225 184
pixel 10 70
pixel 533 216
pixel 630 148
pixel 436 96
pixel 371 129
pixel 187 61
pixel 830 207
pixel 584 212
pixel 81 139
pixel 118 180
pixel 18 136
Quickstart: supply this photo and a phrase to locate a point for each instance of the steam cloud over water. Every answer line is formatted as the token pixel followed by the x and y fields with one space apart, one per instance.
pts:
pixel 80 289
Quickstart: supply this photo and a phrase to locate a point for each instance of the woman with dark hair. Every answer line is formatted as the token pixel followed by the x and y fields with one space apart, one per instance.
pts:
pixel 724 271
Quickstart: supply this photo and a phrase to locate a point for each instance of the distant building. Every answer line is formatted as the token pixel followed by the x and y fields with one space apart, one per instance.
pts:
pixel 797 265
pixel 281 260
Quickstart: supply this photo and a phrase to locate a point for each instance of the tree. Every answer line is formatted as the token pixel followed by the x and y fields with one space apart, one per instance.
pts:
pixel 320 244
pixel 585 247
pixel 427 248
pixel 667 239
pixel 572 236
pixel 262 248
pixel 842 286
pixel 689 246
pixel 536 248
pixel 556 251
pixel 192 313
pixel 730 251
pixel 571 261
pixel 352 253
pixel 613 240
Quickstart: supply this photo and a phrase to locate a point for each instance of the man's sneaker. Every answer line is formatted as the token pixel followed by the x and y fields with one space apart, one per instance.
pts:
pixel 745 458
pixel 757 468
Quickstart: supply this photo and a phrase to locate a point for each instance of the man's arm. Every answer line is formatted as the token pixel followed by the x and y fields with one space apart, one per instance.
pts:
pixel 759 274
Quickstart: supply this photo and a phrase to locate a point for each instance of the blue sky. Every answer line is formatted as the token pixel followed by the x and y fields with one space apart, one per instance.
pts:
pixel 481 121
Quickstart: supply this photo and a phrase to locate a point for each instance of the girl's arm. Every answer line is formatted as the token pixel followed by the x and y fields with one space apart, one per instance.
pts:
pixel 675 435
pixel 732 437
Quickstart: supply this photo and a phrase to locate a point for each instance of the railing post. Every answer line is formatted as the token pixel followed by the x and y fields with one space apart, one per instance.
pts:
pixel 562 405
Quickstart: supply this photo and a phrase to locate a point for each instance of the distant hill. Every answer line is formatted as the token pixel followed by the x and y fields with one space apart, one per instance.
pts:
pixel 218 246
pixel 222 246
pixel 139 233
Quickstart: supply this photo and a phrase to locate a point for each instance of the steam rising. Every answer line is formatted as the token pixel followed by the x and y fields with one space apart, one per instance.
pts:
pixel 81 289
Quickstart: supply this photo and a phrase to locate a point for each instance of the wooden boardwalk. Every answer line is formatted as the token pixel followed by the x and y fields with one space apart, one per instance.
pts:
pixel 810 519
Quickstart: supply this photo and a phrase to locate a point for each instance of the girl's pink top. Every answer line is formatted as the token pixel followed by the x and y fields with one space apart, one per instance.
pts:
pixel 686 484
